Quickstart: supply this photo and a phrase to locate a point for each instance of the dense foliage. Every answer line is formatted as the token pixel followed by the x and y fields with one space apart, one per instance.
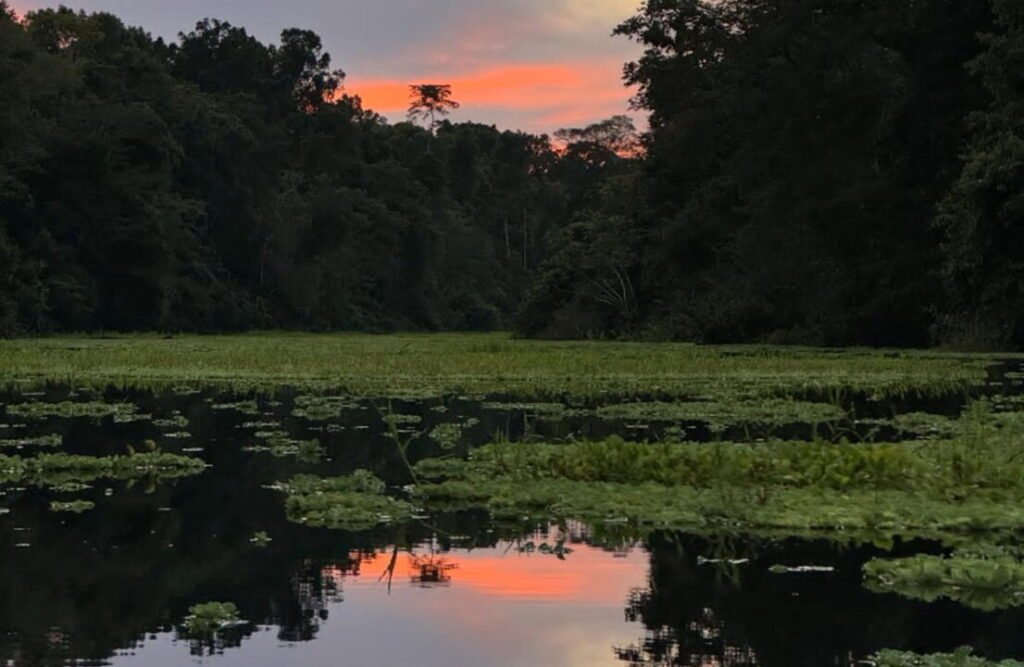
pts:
pixel 221 183
pixel 796 154
pixel 815 171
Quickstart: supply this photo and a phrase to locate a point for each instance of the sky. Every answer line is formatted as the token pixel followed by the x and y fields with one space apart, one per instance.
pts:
pixel 534 65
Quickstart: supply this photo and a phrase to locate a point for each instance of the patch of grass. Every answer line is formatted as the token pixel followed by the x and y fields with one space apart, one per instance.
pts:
pixel 477 364
pixel 355 502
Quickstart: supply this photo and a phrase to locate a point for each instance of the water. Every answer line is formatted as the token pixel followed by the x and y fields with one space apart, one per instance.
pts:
pixel 112 586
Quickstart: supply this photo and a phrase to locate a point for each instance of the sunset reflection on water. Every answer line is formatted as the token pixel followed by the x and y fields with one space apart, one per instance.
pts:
pixel 547 599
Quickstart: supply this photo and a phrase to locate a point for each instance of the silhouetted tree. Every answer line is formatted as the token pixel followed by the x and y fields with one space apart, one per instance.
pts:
pixel 785 190
pixel 430 100
pixel 983 216
pixel 616 135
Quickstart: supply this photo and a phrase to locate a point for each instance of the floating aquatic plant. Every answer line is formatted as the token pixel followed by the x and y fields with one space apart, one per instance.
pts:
pixel 537 409
pixel 260 425
pixel 177 421
pixel 50 440
pixel 207 619
pixel 786 464
pixel 972 483
pixel 720 415
pixel 62 470
pixel 449 434
pixel 122 412
pixel 963 657
pixel 399 419
pixel 72 506
pixel 986 584
pixel 261 539
pixel 920 424
pixel 245 407
pixel 354 502
pixel 322 408
pixel 281 446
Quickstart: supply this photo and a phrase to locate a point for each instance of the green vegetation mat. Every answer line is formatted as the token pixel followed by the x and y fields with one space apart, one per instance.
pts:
pixel 430 365
pixel 206 619
pixel 56 470
pixel 946 488
pixel 355 502
pixel 962 658
pixel 984 581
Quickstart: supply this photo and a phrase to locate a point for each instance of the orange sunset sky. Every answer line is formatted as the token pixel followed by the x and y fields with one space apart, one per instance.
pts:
pixel 535 65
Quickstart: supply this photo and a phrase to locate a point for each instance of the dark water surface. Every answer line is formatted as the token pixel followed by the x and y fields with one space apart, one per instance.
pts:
pixel 113 585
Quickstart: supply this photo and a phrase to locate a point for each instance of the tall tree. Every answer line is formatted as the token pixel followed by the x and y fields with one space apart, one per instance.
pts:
pixel 983 216
pixel 430 100
pixel 306 69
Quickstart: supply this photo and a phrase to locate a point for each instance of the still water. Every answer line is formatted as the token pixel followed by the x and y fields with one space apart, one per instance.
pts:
pixel 486 607
pixel 111 586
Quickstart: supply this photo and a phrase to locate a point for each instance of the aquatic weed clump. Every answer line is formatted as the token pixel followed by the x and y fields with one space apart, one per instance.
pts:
pixel 72 506
pixel 123 412
pixel 354 502
pixel 449 434
pixel 50 440
pixel 969 484
pixel 700 465
pixel 281 445
pixel 206 619
pixel 722 414
pixel 322 408
pixel 963 657
pixel 986 583
pixel 60 470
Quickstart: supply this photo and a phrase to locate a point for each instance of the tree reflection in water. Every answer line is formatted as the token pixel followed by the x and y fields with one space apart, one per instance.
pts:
pixel 216 645
pixel 431 570
pixel 711 612
pixel 111 581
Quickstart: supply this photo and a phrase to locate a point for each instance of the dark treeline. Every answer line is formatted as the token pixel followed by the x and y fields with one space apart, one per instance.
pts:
pixel 815 171
pixel 805 179
pixel 220 184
